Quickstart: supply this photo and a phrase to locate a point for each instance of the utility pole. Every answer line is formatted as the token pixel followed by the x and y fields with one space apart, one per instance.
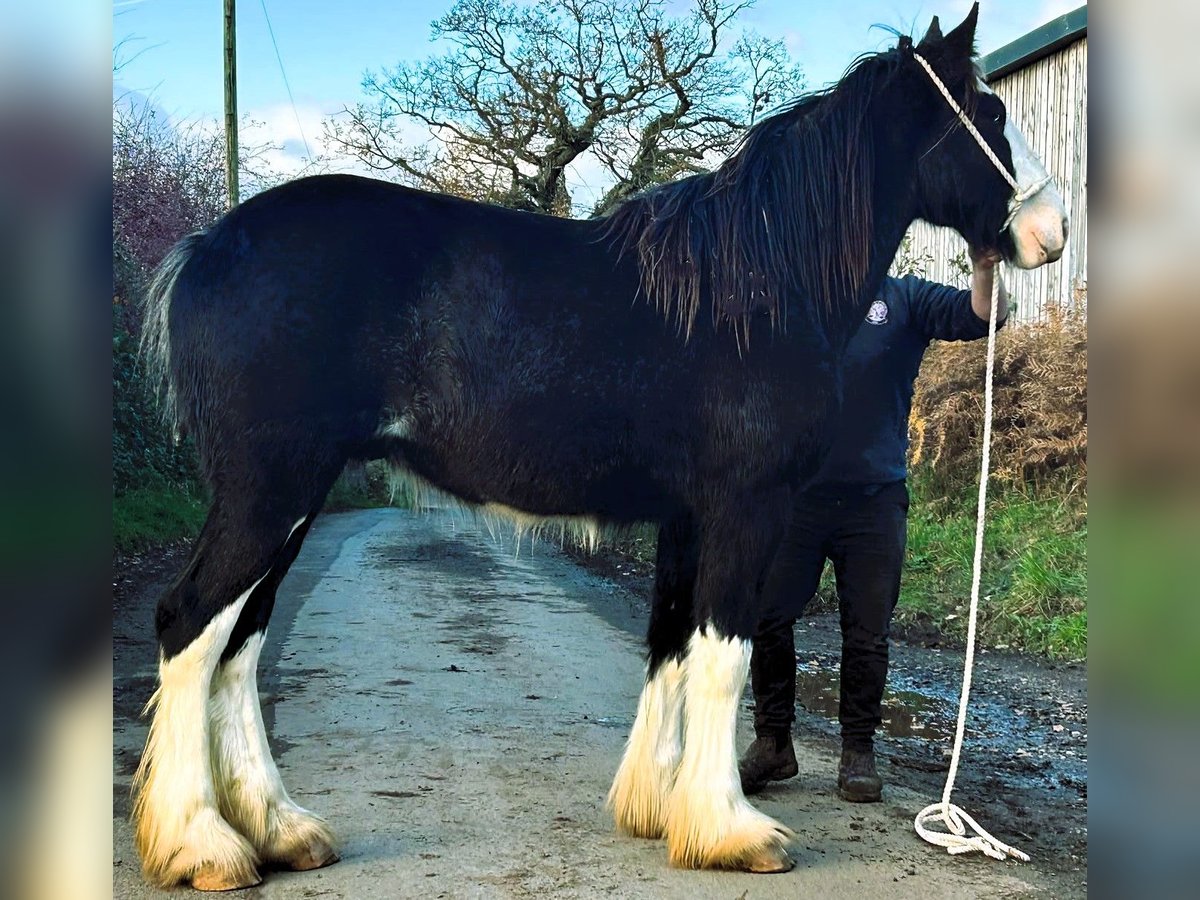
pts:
pixel 231 118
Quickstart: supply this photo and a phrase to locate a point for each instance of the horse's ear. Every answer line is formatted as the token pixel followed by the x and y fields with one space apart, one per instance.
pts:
pixel 961 41
pixel 933 35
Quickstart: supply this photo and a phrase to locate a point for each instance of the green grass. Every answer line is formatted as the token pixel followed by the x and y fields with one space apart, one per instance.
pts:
pixel 1034 583
pixel 153 515
pixel 160 513
pixel 367 487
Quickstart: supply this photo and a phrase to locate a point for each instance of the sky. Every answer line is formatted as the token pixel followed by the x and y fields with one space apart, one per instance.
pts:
pixel 170 51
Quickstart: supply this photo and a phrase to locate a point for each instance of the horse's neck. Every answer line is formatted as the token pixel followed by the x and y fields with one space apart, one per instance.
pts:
pixel 894 194
pixel 891 233
pixel 843 318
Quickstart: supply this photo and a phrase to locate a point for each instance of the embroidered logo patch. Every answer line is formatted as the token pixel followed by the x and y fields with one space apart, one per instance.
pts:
pixel 877 314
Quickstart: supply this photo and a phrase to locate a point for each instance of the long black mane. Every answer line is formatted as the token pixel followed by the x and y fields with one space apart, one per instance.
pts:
pixel 789 214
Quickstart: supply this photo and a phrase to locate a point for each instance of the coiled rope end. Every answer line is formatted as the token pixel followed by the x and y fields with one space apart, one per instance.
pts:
pixel 956 839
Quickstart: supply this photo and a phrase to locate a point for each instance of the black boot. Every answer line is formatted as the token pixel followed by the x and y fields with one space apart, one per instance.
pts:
pixel 770 758
pixel 858 781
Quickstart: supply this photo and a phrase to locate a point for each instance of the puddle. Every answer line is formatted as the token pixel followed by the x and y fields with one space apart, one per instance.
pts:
pixel 906 714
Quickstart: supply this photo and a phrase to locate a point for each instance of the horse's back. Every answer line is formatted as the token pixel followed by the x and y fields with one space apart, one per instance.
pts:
pixel 343 301
pixel 337 238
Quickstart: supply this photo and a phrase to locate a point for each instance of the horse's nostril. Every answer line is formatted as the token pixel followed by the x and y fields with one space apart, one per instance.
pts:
pixel 1065 227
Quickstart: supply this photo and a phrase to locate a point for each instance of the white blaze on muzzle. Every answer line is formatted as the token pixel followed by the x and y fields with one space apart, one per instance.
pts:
pixel 1037 222
pixel 1037 217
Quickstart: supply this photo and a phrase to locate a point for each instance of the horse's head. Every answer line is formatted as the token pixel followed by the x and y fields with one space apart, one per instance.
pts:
pixel 959 185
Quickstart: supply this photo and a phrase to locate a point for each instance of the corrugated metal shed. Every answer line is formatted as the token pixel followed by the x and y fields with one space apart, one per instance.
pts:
pixel 1042 79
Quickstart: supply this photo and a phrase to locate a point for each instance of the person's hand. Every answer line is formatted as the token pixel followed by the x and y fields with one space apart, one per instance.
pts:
pixel 984 280
pixel 983 259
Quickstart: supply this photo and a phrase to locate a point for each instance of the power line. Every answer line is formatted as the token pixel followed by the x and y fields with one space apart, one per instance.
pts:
pixel 286 84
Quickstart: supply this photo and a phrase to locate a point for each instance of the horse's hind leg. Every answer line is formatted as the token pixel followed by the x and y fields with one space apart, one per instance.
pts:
pixel 251 534
pixel 250 792
pixel 638 797
pixel 180 833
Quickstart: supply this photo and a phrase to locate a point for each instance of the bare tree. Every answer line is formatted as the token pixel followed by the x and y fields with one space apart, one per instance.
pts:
pixel 167 180
pixel 528 88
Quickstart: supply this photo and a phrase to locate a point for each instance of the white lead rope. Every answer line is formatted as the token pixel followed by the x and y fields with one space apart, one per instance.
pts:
pixel 956 838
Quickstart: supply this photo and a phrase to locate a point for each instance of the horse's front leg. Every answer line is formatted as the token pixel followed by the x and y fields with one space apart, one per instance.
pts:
pixel 642 786
pixel 709 823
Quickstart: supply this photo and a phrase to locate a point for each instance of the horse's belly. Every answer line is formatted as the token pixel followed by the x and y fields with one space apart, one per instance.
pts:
pixel 532 474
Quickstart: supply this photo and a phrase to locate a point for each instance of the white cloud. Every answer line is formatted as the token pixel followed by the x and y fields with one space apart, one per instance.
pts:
pixel 587 179
pixel 795 43
pixel 295 136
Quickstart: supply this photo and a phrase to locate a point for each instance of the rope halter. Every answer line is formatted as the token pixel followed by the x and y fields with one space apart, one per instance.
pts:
pixel 1020 195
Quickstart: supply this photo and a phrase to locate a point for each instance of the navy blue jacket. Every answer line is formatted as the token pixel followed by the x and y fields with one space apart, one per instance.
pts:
pixel 882 361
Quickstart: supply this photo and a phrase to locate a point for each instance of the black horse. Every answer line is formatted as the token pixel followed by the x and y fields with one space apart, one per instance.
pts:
pixel 675 362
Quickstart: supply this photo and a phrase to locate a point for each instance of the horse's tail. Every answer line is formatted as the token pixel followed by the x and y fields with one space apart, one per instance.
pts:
pixel 156 348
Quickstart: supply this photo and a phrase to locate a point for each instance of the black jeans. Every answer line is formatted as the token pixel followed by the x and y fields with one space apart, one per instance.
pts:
pixel 862 530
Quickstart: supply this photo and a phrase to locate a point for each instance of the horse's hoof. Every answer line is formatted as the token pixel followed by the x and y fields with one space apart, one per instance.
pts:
pixel 770 860
pixel 314 856
pixel 210 877
pixel 301 841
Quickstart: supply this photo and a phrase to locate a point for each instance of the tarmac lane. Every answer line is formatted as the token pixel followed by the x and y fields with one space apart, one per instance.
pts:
pixel 456 704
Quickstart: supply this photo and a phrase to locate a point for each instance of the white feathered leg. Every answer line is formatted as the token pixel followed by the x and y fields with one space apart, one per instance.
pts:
pixel 710 825
pixel 250 792
pixel 179 831
pixel 638 797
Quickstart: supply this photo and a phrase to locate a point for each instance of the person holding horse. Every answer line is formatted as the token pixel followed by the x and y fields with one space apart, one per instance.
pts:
pixel 854 513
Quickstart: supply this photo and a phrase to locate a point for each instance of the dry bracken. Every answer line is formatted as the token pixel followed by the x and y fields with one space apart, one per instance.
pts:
pixel 1040 429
